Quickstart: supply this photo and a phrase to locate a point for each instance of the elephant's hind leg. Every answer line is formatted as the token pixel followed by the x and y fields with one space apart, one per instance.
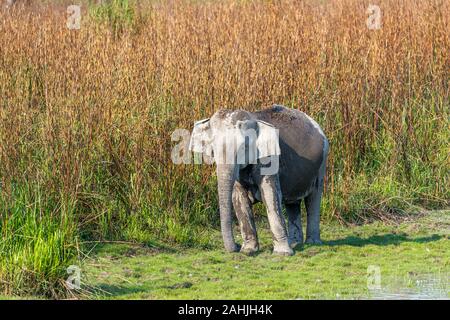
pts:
pixel 295 231
pixel 243 207
pixel 312 203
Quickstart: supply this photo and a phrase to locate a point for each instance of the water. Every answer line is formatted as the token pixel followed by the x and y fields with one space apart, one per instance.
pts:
pixel 425 287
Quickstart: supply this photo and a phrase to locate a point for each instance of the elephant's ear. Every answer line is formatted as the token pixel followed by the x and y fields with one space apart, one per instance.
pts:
pixel 267 141
pixel 201 138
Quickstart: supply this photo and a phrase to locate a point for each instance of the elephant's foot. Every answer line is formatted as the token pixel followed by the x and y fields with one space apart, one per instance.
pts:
pixel 250 249
pixel 295 241
pixel 313 240
pixel 232 249
pixel 283 249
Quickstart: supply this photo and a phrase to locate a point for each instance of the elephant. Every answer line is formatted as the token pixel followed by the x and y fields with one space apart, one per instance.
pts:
pixel 281 162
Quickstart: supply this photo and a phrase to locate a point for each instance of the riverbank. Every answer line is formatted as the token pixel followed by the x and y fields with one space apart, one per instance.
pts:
pixel 412 257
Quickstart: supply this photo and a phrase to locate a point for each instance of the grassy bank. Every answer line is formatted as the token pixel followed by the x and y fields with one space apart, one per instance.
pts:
pixel 86 116
pixel 408 254
pixel 38 240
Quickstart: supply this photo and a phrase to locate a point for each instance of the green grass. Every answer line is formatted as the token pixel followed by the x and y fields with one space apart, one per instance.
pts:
pixel 337 269
pixel 38 243
pixel 118 14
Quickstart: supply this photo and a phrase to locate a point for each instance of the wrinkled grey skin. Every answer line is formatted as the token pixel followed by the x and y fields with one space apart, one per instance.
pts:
pixel 302 162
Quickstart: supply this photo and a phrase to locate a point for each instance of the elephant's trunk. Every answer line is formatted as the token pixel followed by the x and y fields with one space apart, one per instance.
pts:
pixel 225 178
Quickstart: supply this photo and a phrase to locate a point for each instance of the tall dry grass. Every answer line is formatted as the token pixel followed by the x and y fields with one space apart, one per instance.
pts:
pixel 87 115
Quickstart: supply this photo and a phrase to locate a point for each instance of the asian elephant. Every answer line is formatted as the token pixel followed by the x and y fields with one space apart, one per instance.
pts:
pixel 277 156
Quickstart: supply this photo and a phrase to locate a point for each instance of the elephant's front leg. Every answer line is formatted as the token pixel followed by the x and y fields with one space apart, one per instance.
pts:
pixel 243 209
pixel 271 196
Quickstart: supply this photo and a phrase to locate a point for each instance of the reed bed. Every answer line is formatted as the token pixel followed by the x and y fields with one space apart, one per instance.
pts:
pixel 86 116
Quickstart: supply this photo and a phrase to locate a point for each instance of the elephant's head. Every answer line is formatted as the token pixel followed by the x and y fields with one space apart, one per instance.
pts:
pixel 233 139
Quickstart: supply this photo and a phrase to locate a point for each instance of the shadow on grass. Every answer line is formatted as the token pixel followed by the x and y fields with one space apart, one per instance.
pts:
pixel 381 240
pixel 127 249
pixel 111 291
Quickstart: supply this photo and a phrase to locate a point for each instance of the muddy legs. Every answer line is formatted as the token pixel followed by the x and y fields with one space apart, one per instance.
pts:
pixel 271 196
pixel 312 203
pixel 242 206
pixel 295 231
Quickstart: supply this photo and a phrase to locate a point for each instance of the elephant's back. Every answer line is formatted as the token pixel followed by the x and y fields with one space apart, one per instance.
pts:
pixel 297 130
pixel 303 147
